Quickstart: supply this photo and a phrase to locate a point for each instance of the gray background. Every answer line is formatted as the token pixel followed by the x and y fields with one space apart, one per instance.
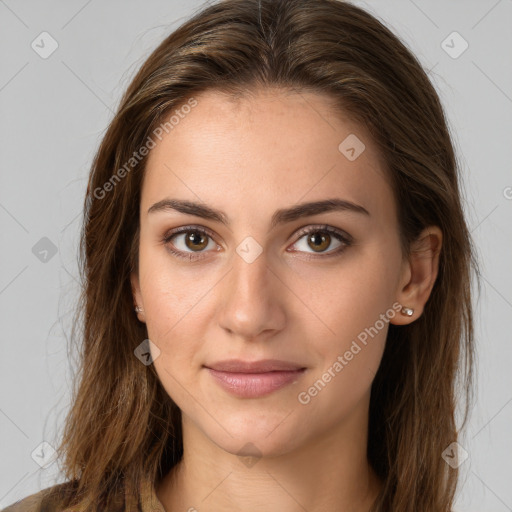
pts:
pixel 54 112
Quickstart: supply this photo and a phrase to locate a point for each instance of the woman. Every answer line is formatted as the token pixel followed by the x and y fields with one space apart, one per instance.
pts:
pixel 278 199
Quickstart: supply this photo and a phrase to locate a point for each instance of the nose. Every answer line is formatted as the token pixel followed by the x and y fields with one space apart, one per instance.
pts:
pixel 252 300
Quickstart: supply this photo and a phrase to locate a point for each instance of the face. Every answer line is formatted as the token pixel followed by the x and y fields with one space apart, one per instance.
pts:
pixel 261 278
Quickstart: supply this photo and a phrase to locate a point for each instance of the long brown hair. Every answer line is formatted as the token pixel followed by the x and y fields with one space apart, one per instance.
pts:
pixel 122 426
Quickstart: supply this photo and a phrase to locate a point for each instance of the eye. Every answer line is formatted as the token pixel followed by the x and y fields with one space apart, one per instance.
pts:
pixel 320 238
pixel 188 241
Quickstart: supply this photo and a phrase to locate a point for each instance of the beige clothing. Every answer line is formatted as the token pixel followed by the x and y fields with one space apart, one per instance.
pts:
pixel 149 502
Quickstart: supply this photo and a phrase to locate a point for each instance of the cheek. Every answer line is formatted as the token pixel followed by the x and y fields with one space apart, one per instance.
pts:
pixel 175 304
pixel 350 295
pixel 348 362
pixel 172 292
pixel 176 331
pixel 350 356
pixel 354 306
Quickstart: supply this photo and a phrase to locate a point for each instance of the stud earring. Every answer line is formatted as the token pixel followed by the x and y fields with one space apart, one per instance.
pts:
pixel 407 311
pixel 138 309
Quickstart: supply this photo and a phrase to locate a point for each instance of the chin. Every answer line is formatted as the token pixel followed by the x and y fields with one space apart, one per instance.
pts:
pixel 250 436
pixel 253 446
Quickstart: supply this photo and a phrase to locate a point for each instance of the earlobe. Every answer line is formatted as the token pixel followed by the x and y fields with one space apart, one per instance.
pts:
pixel 420 275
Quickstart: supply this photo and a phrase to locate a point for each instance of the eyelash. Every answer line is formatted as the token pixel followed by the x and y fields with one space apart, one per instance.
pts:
pixel 339 235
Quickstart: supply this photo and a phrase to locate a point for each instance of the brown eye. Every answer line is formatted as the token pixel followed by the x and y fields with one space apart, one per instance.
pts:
pixel 195 240
pixel 319 241
pixel 189 242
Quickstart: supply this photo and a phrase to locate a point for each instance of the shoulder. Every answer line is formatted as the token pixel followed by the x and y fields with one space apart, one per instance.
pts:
pixel 32 503
pixel 48 499
pixel 40 501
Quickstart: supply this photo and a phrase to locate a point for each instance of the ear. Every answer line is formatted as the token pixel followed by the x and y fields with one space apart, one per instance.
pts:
pixel 419 274
pixel 137 295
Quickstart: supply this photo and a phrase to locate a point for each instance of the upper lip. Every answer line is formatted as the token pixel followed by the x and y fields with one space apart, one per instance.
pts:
pixel 262 366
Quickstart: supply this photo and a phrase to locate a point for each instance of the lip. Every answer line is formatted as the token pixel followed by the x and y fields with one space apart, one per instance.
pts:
pixel 247 379
pixel 262 366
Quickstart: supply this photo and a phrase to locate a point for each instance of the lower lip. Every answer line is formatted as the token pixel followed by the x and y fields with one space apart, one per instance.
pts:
pixel 253 385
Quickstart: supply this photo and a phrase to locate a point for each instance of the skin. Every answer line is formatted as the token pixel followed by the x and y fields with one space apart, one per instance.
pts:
pixel 250 157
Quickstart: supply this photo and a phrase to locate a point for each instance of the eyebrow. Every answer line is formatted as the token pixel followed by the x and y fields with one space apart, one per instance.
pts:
pixel 280 216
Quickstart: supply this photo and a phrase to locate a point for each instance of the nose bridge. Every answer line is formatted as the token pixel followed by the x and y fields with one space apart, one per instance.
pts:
pixel 250 273
pixel 251 300
pixel 249 277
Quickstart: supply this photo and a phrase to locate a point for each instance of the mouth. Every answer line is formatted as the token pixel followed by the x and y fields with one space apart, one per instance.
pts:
pixel 247 379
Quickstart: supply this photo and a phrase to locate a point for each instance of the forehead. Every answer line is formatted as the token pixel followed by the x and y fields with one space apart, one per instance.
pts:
pixel 269 149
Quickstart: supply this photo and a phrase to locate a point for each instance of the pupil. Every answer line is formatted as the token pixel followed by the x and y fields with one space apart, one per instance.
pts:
pixel 196 239
pixel 318 240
